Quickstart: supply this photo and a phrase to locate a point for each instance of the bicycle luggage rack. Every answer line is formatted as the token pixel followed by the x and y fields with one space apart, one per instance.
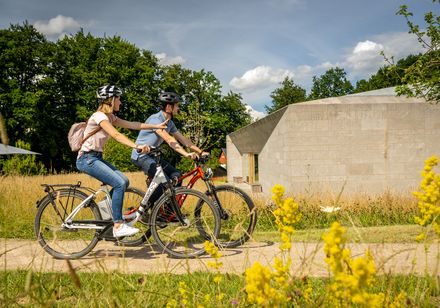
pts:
pixel 52 189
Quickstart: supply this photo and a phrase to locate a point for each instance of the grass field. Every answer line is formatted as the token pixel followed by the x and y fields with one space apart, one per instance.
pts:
pixel 385 218
pixel 19 194
pixel 24 288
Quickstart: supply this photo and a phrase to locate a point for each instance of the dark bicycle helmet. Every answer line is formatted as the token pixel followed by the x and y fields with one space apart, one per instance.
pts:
pixel 166 98
pixel 105 92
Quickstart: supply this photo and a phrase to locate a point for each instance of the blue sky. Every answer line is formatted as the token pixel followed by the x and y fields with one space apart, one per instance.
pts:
pixel 249 45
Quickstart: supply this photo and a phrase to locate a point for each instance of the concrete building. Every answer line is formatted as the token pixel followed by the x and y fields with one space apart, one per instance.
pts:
pixel 368 142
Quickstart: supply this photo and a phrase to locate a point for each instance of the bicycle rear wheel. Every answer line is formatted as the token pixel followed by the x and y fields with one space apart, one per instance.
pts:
pixel 240 217
pixel 185 241
pixel 132 200
pixel 61 242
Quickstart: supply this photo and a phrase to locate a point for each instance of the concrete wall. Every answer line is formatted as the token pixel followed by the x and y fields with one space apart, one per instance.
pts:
pixel 361 144
pixel 234 161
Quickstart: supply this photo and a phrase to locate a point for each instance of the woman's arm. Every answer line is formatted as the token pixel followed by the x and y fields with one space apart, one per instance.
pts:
pixel 121 138
pixel 138 125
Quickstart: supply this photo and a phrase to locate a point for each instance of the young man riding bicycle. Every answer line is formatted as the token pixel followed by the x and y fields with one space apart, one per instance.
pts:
pixel 169 104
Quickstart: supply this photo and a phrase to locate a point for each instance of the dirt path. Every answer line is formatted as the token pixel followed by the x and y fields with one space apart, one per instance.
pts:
pixel 308 258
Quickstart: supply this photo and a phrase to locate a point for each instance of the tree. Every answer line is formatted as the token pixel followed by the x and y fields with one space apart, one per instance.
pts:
pixel 333 83
pixel 422 79
pixel 22 61
pixel 46 86
pixel 206 117
pixel 386 76
pixel 288 93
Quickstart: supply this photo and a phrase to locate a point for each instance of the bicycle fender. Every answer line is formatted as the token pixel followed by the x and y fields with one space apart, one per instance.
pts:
pixel 38 203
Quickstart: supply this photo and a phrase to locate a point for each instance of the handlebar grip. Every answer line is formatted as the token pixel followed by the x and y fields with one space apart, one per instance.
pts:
pixel 138 150
pixel 203 159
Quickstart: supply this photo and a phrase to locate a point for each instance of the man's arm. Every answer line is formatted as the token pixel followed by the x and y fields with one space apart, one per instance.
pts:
pixel 174 144
pixel 188 143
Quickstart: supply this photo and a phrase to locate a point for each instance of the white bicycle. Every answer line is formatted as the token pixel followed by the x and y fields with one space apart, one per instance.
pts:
pixel 69 223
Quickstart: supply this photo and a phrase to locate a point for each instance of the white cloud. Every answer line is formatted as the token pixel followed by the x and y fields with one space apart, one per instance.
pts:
pixel 256 115
pixel 365 58
pixel 57 25
pixel 303 70
pixel 367 46
pixel 164 59
pixel 400 44
pixel 260 77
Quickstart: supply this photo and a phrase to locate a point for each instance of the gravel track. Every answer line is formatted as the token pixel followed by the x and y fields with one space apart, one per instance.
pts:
pixel 308 258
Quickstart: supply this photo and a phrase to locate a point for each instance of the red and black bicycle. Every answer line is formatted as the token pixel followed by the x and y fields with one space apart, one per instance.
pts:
pixel 237 210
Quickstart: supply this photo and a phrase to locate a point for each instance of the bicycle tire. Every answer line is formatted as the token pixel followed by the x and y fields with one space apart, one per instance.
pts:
pixel 185 241
pixel 59 242
pixel 238 227
pixel 132 200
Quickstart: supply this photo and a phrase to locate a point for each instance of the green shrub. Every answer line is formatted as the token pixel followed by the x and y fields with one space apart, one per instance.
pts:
pixel 22 164
pixel 119 155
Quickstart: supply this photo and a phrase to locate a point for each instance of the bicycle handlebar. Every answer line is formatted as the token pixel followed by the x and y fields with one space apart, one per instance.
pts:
pixel 202 159
pixel 158 152
pixel 155 151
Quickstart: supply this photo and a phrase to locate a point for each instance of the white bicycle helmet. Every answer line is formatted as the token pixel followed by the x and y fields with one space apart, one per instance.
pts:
pixel 105 92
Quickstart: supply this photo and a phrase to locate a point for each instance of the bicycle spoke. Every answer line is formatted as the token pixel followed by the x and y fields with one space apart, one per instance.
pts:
pixel 183 241
pixel 239 223
pixel 57 240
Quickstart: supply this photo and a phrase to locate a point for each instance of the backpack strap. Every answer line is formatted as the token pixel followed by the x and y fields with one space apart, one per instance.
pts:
pixel 91 133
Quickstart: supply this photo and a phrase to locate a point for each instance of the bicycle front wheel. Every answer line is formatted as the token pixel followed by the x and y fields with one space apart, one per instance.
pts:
pixel 202 223
pixel 61 242
pixel 132 201
pixel 238 217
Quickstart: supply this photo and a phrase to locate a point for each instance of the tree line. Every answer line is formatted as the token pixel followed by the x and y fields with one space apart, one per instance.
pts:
pixel 334 83
pixel 47 86
pixel 415 75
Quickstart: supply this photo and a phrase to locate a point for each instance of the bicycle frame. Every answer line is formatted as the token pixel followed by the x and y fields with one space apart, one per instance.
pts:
pixel 69 223
pixel 158 179
pixel 197 173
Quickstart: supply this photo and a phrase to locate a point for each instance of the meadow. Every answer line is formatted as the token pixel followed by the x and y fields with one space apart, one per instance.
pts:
pixel 384 218
pixel 19 194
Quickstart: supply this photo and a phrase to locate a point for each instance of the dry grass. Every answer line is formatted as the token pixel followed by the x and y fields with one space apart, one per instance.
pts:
pixel 19 194
pixel 357 210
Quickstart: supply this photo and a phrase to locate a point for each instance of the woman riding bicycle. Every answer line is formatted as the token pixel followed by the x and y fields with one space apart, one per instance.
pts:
pixel 90 160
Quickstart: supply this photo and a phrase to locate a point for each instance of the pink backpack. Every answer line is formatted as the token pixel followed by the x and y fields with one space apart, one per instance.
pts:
pixel 76 135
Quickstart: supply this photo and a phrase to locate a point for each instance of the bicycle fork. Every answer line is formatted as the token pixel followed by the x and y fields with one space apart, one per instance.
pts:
pixel 213 195
pixel 171 193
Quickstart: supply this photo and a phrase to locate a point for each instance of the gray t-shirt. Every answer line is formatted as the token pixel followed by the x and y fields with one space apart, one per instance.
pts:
pixel 149 136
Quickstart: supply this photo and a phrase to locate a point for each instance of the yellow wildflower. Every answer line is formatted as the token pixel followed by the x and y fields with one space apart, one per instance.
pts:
pixel 171 304
pixel 212 250
pixel 258 286
pixel 429 197
pixel 352 277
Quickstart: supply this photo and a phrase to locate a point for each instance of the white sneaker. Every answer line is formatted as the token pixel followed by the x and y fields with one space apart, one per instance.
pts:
pixel 124 230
